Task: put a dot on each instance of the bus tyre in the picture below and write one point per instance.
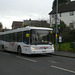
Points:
(19, 50)
(3, 48)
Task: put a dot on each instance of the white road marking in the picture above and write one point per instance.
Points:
(63, 69)
(26, 59)
(52, 61)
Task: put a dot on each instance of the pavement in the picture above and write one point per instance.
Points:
(64, 54)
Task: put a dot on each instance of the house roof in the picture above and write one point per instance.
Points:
(17, 24)
(32, 21)
(66, 7)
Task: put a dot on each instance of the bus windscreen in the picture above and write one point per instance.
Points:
(39, 36)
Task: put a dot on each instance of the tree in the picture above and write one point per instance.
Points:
(1, 26)
(72, 35)
(24, 25)
(68, 35)
(65, 34)
(62, 25)
(44, 23)
(59, 2)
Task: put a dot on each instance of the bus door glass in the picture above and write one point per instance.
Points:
(26, 37)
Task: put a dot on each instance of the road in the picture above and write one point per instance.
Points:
(12, 64)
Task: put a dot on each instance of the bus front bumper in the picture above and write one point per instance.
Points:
(41, 51)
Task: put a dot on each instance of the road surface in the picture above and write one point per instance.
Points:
(12, 64)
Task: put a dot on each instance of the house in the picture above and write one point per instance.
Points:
(36, 23)
(32, 22)
(17, 24)
(4, 30)
(66, 13)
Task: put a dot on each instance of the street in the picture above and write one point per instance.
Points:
(46, 64)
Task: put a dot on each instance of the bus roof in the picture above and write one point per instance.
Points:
(30, 27)
(24, 29)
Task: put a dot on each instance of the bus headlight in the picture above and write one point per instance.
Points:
(53, 47)
(32, 48)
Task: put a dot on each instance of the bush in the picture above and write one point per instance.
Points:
(66, 47)
(68, 35)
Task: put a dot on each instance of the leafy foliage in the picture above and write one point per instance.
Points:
(44, 23)
(1, 25)
(68, 35)
(24, 25)
(62, 25)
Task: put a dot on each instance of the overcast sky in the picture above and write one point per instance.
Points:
(19, 10)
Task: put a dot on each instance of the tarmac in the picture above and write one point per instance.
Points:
(64, 54)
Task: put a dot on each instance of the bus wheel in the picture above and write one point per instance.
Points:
(19, 50)
(3, 48)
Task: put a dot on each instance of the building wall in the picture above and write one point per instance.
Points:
(64, 17)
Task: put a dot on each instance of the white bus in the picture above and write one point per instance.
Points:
(28, 40)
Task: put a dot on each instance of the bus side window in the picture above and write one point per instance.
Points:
(10, 37)
(19, 37)
(7, 38)
(15, 37)
(1, 37)
(4, 37)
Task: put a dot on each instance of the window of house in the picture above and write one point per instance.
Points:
(71, 25)
(54, 16)
(71, 13)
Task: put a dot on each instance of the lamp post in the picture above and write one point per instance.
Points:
(56, 23)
